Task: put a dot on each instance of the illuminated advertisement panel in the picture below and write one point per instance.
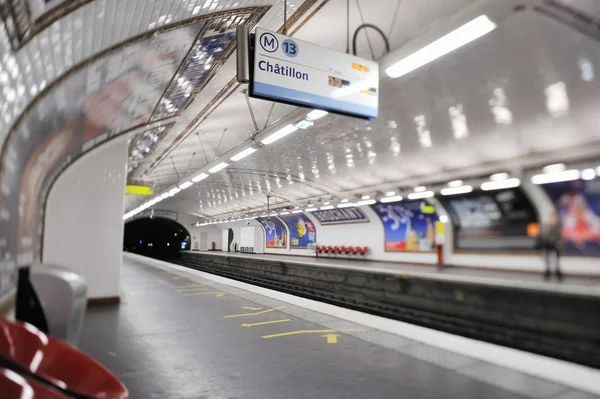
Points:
(276, 233)
(408, 227)
(302, 230)
(493, 221)
(578, 204)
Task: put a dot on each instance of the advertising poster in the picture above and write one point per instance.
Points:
(578, 205)
(123, 88)
(276, 233)
(110, 94)
(407, 227)
(492, 221)
(302, 230)
(340, 215)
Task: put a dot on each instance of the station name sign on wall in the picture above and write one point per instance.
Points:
(301, 73)
(343, 215)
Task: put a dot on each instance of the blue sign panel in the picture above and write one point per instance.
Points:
(407, 228)
(340, 215)
(275, 231)
(301, 73)
(302, 230)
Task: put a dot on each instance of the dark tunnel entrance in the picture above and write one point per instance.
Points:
(156, 237)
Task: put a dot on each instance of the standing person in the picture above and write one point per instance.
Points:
(553, 247)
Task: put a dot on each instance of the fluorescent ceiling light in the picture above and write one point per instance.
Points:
(420, 189)
(165, 195)
(419, 195)
(174, 191)
(326, 203)
(346, 205)
(346, 199)
(311, 209)
(390, 193)
(199, 177)
(588, 174)
(456, 190)
(297, 211)
(366, 202)
(442, 46)
(279, 134)
(499, 176)
(284, 213)
(455, 183)
(556, 167)
(326, 208)
(243, 154)
(264, 216)
(185, 185)
(544, 178)
(217, 168)
(316, 114)
(500, 184)
(365, 197)
(394, 198)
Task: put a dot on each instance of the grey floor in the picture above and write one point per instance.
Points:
(173, 337)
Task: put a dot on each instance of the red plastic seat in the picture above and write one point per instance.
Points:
(330, 249)
(351, 250)
(363, 250)
(14, 386)
(57, 362)
(343, 249)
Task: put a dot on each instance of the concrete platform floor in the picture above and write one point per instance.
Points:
(177, 335)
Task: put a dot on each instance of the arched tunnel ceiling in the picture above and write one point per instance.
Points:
(521, 91)
(338, 156)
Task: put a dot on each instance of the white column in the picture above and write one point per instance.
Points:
(84, 218)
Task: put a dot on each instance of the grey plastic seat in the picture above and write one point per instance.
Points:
(63, 297)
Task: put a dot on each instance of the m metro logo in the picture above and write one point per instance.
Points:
(269, 42)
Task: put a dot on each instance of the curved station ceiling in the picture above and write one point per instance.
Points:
(164, 72)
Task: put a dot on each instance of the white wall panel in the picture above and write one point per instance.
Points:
(84, 218)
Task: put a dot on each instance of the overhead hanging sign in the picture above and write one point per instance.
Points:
(301, 73)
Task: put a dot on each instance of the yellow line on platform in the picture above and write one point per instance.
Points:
(250, 308)
(189, 286)
(265, 322)
(285, 334)
(253, 314)
(194, 289)
(217, 293)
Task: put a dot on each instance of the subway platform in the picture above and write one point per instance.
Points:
(182, 333)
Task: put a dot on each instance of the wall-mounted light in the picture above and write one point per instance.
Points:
(456, 190)
(395, 198)
(588, 174)
(218, 167)
(366, 202)
(316, 114)
(466, 33)
(500, 184)
(279, 134)
(555, 177)
(243, 154)
(199, 177)
(420, 195)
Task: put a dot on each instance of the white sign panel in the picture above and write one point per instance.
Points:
(301, 73)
